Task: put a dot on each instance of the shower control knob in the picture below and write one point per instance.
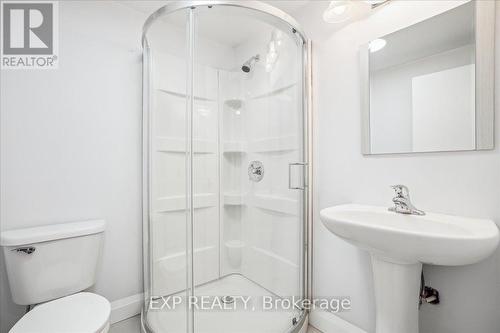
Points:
(256, 171)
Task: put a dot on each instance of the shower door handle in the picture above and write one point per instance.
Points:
(291, 168)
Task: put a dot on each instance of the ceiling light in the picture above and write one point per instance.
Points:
(377, 45)
(375, 3)
(338, 11)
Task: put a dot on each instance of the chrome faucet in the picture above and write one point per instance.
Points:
(402, 203)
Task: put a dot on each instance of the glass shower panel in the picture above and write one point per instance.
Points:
(169, 159)
(247, 169)
(225, 170)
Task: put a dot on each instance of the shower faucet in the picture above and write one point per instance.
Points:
(402, 203)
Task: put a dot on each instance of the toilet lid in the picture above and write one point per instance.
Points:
(78, 313)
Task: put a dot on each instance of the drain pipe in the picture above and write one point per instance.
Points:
(427, 294)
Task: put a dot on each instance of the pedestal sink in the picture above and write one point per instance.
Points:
(399, 244)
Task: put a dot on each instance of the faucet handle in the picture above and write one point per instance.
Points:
(402, 203)
(401, 190)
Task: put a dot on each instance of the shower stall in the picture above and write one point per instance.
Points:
(227, 151)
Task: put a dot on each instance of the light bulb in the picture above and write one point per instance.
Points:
(374, 2)
(338, 11)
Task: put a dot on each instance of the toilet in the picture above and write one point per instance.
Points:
(49, 268)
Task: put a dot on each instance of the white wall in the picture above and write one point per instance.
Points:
(462, 183)
(71, 142)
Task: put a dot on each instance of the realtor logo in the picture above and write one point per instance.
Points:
(29, 35)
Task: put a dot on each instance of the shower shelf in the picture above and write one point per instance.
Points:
(179, 257)
(236, 147)
(181, 95)
(275, 257)
(178, 202)
(173, 145)
(235, 244)
(234, 199)
(274, 92)
(267, 202)
(278, 144)
(274, 203)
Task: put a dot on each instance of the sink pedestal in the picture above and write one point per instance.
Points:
(397, 288)
(399, 243)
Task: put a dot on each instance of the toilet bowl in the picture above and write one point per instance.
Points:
(79, 313)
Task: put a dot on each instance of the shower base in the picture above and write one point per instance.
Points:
(254, 319)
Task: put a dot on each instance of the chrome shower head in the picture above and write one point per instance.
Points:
(248, 65)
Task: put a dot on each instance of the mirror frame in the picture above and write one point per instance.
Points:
(485, 83)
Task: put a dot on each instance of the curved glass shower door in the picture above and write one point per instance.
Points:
(167, 233)
(226, 216)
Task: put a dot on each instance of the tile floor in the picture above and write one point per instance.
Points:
(133, 325)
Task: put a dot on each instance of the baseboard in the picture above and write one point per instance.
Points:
(328, 322)
(125, 308)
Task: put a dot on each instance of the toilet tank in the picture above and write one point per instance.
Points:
(48, 262)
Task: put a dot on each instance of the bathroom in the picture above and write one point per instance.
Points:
(281, 127)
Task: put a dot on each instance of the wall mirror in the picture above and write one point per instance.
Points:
(430, 87)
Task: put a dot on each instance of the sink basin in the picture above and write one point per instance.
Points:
(431, 239)
(399, 244)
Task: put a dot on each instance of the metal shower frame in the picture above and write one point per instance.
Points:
(307, 135)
